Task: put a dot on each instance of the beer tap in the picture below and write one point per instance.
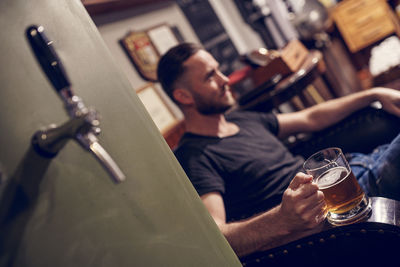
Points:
(83, 125)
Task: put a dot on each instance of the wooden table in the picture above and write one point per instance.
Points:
(273, 93)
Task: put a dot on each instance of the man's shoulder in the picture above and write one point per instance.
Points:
(243, 116)
(190, 144)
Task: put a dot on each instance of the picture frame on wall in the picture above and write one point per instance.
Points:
(142, 54)
(144, 48)
(158, 109)
(162, 37)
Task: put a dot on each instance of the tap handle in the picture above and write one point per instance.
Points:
(48, 59)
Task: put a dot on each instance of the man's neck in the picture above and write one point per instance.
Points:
(210, 125)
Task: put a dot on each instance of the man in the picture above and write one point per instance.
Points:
(249, 182)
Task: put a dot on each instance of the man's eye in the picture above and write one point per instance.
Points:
(210, 76)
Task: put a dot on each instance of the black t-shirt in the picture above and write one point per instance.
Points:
(250, 169)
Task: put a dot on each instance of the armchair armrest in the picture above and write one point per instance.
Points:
(374, 242)
(362, 131)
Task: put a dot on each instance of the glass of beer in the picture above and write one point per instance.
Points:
(345, 200)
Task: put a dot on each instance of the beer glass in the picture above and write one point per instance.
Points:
(345, 200)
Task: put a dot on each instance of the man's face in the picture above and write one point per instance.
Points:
(207, 85)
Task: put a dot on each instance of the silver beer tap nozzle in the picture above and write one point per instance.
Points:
(83, 126)
(86, 137)
(90, 142)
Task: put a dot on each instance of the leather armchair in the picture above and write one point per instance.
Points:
(371, 243)
(360, 132)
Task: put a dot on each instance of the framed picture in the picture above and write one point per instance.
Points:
(162, 37)
(142, 53)
(157, 108)
(145, 47)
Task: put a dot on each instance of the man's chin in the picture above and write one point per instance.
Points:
(214, 110)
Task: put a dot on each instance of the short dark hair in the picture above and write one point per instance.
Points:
(170, 67)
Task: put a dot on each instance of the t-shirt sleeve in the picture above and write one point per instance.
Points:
(200, 171)
(267, 119)
(270, 121)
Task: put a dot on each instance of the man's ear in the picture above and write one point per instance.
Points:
(182, 96)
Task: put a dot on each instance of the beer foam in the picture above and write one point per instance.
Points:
(331, 177)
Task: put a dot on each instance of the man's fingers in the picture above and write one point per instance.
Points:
(318, 197)
(315, 213)
(299, 179)
(314, 201)
(319, 212)
(394, 110)
(307, 190)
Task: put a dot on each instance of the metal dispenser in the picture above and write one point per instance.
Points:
(83, 125)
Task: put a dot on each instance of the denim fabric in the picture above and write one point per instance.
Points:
(378, 173)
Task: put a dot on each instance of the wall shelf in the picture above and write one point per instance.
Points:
(95, 7)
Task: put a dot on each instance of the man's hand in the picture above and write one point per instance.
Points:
(303, 205)
(301, 210)
(389, 98)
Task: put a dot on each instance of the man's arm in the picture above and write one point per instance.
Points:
(299, 214)
(328, 113)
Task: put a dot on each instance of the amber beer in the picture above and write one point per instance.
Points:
(341, 189)
(346, 201)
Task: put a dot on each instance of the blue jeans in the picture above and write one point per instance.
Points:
(378, 173)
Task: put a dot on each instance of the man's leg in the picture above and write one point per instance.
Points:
(379, 172)
(387, 171)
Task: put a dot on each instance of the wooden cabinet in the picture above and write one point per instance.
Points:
(363, 22)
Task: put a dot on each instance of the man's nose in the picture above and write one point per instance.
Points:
(222, 77)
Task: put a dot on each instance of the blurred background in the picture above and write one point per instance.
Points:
(356, 40)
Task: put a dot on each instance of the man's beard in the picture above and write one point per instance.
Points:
(207, 107)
